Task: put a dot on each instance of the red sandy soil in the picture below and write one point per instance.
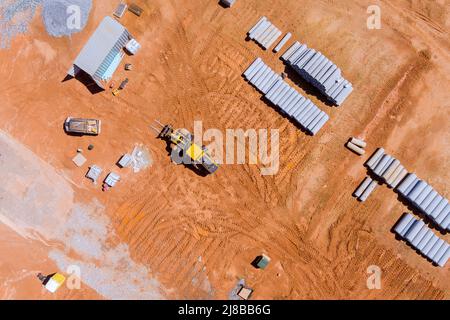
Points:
(198, 235)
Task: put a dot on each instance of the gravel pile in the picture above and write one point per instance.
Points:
(15, 16)
(60, 20)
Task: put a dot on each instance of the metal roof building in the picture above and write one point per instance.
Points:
(103, 52)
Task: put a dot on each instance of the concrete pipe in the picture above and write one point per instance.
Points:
(425, 240)
(355, 148)
(417, 190)
(402, 223)
(428, 189)
(430, 244)
(360, 143)
(363, 186)
(403, 173)
(374, 158)
(390, 170)
(368, 191)
(406, 183)
(444, 258)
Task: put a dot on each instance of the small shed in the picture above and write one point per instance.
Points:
(262, 261)
(79, 160)
(112, 179)
(94, 173)
(125, 161)
(133, 46)
(245, 293)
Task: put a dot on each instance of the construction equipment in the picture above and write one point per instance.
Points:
(184, 149)
(123, 84)
(52, 282)
(82, 126)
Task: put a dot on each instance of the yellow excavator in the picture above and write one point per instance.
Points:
(184, 150)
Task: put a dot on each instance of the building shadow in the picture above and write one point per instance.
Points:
(86, 80)
(255, 262)
(223, 5)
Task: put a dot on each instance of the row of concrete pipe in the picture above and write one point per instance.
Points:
(418, 192)
(423, 239)
(264, 33)
(423, 197)
(288, 100)
(386, 168)
(427, 200)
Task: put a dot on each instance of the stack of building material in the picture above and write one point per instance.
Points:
(422, 196)
(318, 70)
(264, 33)
(125, 161)
(79, 160)
(287, 99)
(387, 168)
(365, 189)
(416, 233)
(112, 179)
(94, 173)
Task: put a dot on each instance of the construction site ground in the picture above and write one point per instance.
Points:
(168, 233)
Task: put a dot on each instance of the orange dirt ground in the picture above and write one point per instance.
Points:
(196, 236)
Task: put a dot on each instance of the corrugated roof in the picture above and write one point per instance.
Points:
(99, 45)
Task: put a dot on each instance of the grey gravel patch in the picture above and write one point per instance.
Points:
(118, 277)
(34, 199)
(55, 15)
(86, 230)
(15, 17)
(105, 267)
